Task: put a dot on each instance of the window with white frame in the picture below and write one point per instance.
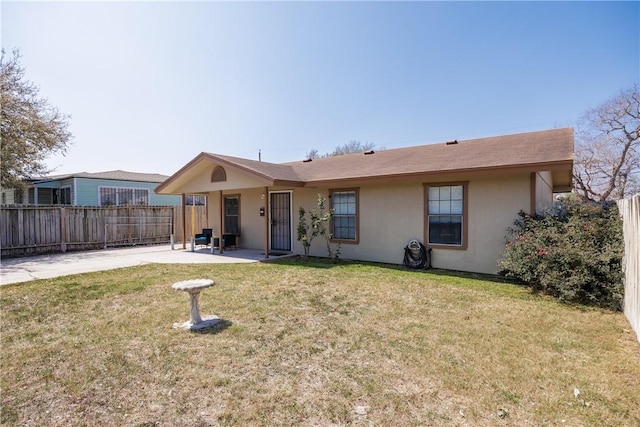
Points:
(445, 214)
(192, 199)
(344, 222)
(119, 196)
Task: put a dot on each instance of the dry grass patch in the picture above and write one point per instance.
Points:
(309, 344)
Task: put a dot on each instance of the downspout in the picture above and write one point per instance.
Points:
(184, 221)
(266, 222)
(532, 207)
(221, 241)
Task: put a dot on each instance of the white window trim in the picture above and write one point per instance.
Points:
(100, 188)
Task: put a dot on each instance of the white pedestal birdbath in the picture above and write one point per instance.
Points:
(194, 287)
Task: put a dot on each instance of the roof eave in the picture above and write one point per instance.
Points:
(564, 165)
(287, 183)
(167, 182)
(267, 180)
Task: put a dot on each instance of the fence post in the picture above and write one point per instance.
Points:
(63, 230)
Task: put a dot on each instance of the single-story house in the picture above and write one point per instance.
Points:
(112, 188)
(457, 197)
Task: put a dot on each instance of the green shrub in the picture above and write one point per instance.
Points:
(572, 251)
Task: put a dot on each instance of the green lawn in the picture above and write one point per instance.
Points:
(312, 344)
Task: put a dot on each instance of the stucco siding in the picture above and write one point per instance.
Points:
(201, 180)
(544, 190)
(391, 215)
(494, 204)
(251, 223)
(213, 212)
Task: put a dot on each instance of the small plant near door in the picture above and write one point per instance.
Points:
(315, 225)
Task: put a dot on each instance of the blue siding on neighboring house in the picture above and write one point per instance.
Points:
(85, 191)
(88, 191)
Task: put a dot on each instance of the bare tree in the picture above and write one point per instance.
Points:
(353, 146)
(313, 154)
(30, 128)
(607, 154)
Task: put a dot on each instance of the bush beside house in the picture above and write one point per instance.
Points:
(572, 251)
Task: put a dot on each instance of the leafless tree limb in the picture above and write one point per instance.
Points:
(607, 155)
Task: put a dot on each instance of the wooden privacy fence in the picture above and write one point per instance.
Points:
(32, 230)
(630, 211)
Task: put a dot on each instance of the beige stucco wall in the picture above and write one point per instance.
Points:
(251, 223)
(213, 212)
(494, 204)
(391, 215)
(199, 180)
(544, 190)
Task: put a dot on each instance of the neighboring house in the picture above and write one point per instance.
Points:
(457, 197)
(113, 188)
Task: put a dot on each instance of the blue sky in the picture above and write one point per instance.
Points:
(150, 85)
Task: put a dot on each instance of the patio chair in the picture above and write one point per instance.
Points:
(204, 238)
(229, 240)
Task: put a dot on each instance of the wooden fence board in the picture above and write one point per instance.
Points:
(31, 230)
(630, 211)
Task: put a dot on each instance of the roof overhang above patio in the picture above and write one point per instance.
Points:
(208, 172)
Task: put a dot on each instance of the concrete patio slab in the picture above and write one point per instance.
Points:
(14, 270)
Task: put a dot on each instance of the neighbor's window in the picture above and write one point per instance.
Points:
(344, 222)
(65, 196)
(18, 197)
(232, 214)
(445, 214)
(191, 200)
(115, 196)
(61, 196)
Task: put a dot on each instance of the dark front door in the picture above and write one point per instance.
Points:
(280, 221)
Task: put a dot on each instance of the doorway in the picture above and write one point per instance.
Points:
(280, 215)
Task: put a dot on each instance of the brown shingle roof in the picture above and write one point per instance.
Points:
(533, 148)
(282, 172)
(543, 150)
(119, 175)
